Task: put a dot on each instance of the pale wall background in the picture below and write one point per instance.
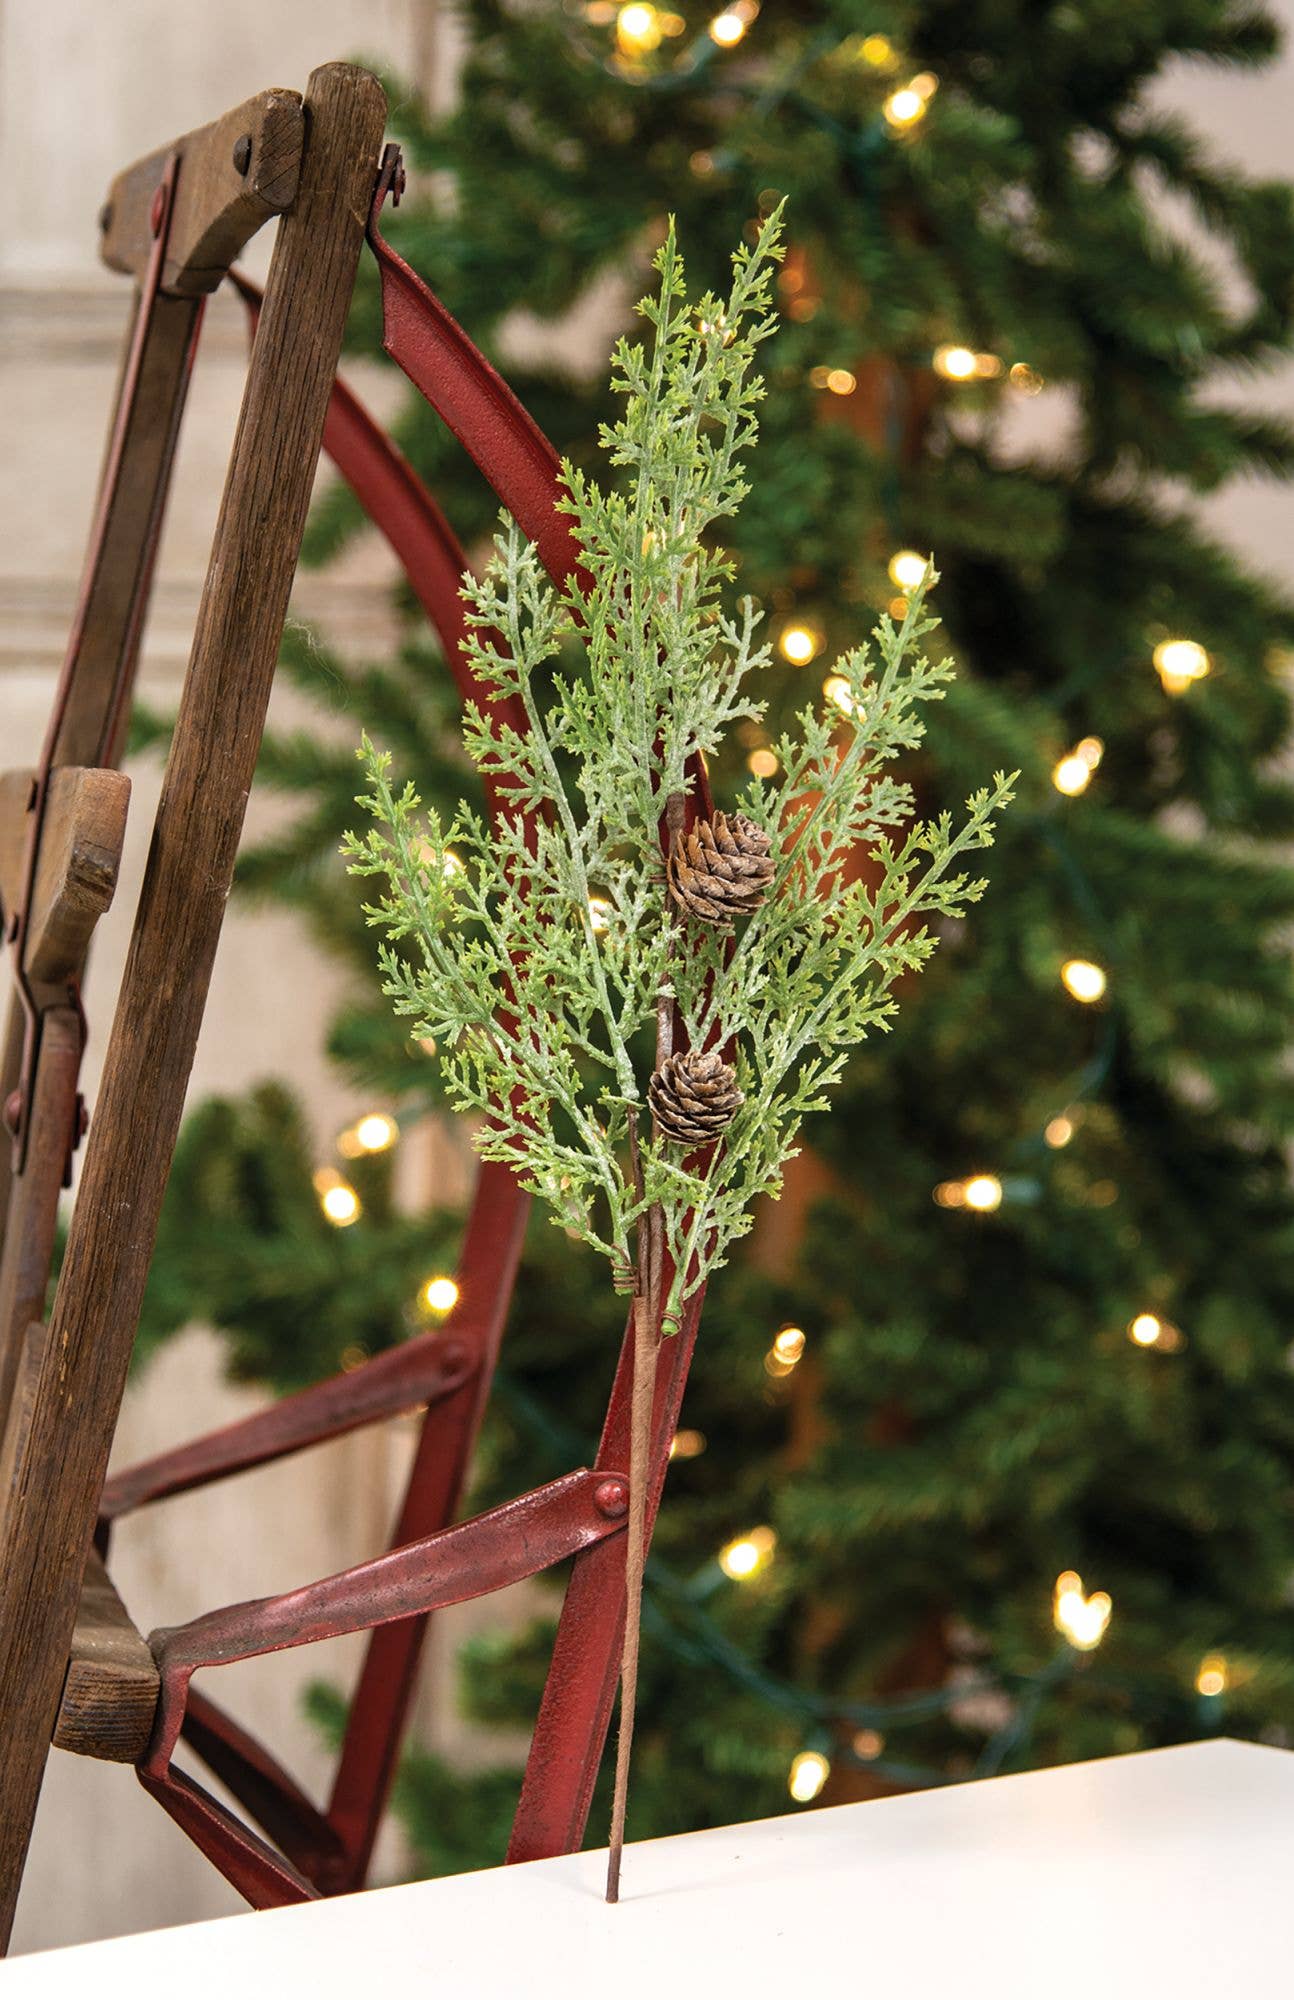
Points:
(86, 85)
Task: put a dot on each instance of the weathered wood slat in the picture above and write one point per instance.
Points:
(29, 1352)
(80, 854)
(47, 1529)
(117, 591)
(234, 175)
(32, 1220)
(110, 1695)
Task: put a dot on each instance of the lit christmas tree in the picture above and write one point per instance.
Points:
(989, 1427)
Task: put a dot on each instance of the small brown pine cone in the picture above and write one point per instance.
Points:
(694, 1096)
(720, 869)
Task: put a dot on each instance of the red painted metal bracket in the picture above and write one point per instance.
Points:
(580, 1690)
(474, 1559)
(453, 375)
(429, 1369)
(509, 1543)
(424, 1370)
(261, 1785)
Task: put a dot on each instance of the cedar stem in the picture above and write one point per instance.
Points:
(648, 1333)
(646, 1348)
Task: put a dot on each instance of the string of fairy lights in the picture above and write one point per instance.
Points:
(640, 35)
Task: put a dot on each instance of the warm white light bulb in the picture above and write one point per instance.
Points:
(638, 30)
(1214, 1675)
(748, 1554)
(799, 644)
(904, 108)
(878, 52)
(788, 1345)
(908, 569)
(1085, 981)
(340, 1204)
(1071, 776)
(375, 1132)
(1081, 1620)
(808, 1774)
(440, 1294)
(955, 364)
(982, 1192)
(1178, 662)
(727, 28)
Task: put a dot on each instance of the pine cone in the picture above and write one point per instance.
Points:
(694, 1096)
(720, 869)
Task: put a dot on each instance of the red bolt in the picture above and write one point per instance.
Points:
(611, 1497)
(453, 1355)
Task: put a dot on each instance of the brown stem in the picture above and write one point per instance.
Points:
(646, 1349)
(647, 1339)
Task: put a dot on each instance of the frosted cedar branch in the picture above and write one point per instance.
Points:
(641, 1039)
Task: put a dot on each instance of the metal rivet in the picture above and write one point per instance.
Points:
(453, 1354)
(243, 153)
(611, 1498)
(13, 1110)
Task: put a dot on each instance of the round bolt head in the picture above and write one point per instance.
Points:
(13, 1110)
(611, 1497)
(243, 153)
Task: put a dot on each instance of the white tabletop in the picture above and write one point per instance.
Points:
(1167, 1873)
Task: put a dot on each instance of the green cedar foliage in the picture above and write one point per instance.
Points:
(558, 905)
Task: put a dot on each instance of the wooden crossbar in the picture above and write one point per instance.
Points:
(109, 1697)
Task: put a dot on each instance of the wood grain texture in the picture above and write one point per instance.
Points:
(116, 591)
(30, 1352)
(76, 875)
(110, 1695)
(218, 205)
(32, 1220)
(47, 1530)
(82, 833)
